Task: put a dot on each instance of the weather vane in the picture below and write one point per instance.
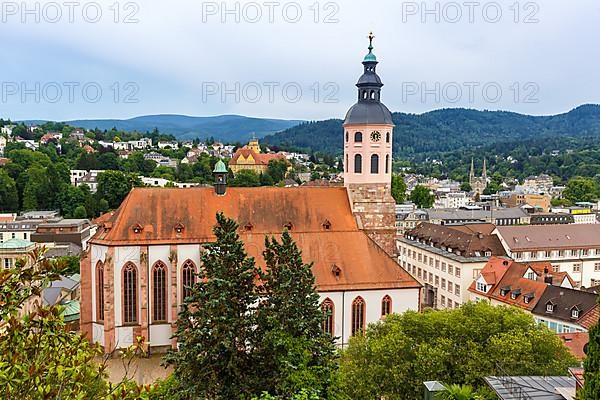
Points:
(371, 37)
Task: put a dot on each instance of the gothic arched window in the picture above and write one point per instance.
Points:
(346, 162)
(374, 164)
(130, 293)
(358, 315)
(328, 310)
(188, 278)
(358, 137)
(159, 292)
(100, 291)
(386, 306)
(358, 164)
(387, 164)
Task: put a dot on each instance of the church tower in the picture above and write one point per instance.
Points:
(368, 134)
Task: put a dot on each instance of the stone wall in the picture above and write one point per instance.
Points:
(375, 211)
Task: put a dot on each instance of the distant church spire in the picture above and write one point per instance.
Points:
(484, 175)
(472, 174)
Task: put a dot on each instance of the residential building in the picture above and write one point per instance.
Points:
(251, 158)
(14, 249)
(64, 237)
(475, 214)
(539, 184)
(446, 259)
(574, 249)
(22, 227)
(452, 200)
(408, 217)
(551, 219)
(581, 215)
(576, 342)
(3, 143)
(147, 252)
(538, 201)
(548, 296)
(168, 145)
(7, 130)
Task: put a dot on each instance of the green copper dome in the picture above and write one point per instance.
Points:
(370, 57)
(220, 168)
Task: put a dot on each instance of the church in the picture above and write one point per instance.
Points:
(145, 254)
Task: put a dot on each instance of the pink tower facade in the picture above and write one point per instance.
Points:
(368, 138)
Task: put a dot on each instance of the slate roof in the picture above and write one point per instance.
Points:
(564, 301)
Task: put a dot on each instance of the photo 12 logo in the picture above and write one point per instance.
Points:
(69, 92)
(271, 92)
(72, 11)
(469, 92)
(470, 11)
(272, 11)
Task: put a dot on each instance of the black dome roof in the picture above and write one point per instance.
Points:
(369, 112)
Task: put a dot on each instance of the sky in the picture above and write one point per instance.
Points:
(293, 60)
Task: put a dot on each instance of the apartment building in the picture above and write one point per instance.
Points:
(574, 249)
(446, 259)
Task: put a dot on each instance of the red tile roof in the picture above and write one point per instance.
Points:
(505, 273)
(576, 343)
(260, 212)
(590, 318)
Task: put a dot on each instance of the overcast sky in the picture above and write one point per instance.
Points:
(204, 58)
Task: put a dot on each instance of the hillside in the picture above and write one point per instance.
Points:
(229, 128)
(449, 130)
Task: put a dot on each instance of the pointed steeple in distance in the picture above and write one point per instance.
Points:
(484, 175)
(472, 173)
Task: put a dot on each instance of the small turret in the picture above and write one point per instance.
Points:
(220, 173)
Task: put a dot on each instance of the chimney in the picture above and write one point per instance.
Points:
(547, 276)
(220, 173)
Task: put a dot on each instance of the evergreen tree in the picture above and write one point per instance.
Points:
(297, 353)
(9, 198)
(217, 326)
(591, 388)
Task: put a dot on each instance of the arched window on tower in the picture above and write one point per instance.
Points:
(358, 316)
(130, 293)
(386, 306)
(100, 291)
(365, 95)
(347, 134)
(358, 137)
(159, 292)
(387, 137)
(358, 164)
(372, 95)
(374, 164)
(387, 164)
(328, 310)
(188, 278)
(346, 162)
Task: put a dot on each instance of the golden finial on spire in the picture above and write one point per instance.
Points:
(371, 37)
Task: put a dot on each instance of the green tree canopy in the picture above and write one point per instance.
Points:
(591, 388)
(581, 189)
(398, 189)
(458, 346)
(9, 197)
(422, 197)
(113, 186)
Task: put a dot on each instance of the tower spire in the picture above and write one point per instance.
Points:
(484, 175)
(371, 37)
(472, 173)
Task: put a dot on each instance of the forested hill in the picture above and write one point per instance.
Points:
(449, 130)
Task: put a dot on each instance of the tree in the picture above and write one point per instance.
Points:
(591, 388)
(581, 189)
(458, 392)
(217, 324)
(39, 358)
(37, 188)
(80, 212)
(466, 187)
(398, 189)
(245, 178)
(9, 198)
(459, 346)
(277, 169)
(295, 352)
(422, 197)
(113, 186)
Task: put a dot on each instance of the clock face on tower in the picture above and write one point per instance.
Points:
(375, 136)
